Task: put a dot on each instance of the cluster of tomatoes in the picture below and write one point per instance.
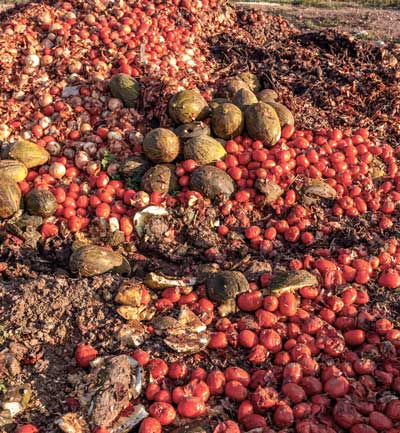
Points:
(345, 160)
(309, 360)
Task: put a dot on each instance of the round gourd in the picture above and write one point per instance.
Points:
(126, 88)
(284, 114)
(161, 145)
(14, 169)
(10, 197)
(204, 150)
(187, 106)
(30, 154)
(40, 202)
(91, 260)
(243, 98)
(227, 121)
(262, 123)
(267, 95)
(212, 182)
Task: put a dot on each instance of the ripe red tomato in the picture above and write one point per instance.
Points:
(250, 301)
(163, 412)
(287, 304)
(141, 357)
(283, 416)
(354, 337)
(216, 382)
(218, 340)
(150, 425)
(294, 392)
(191, 407)
(158, 368)
(27, 428)
(227, 427)
(271, 340)
(247, 338)
(177, 370)
(84, 354)
(235, 390)
(49, 230)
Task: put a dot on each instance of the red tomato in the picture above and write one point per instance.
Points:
(227, 427)
(283, 416)
(84, 354)
(380, 421)
(141, 357)
(27, 428)
(337, 387)
(287, 304)
(150, 425)
(191, 407)
(250, 301)
(216, 382)
(163, 412)
(177, 370)
(252, 421)
(49, 230)
(235, 390)
(354, 337)
(239, 374)
(294, 392)
(158, 368)
(271, 340)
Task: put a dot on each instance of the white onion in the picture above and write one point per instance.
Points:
(81, 158)
(45, 122)
(26, 135)
(57, 170)
(45, 99)
(5, 132)
(90, 147)
(113, 224)
(93, 168)
(53, 148)
(32, 61)
(114, 135)
(114, 104)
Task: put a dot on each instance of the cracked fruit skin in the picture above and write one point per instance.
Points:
(160, 178)
(187, 106)
(224, 285)
(10, 197)
(161, 145)
(126, 88)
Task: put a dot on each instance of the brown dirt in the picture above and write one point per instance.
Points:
(365, 22)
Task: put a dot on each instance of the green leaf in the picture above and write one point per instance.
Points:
(107, 159)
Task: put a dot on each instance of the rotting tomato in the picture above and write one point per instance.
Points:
(150, 425)
(191, 407)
